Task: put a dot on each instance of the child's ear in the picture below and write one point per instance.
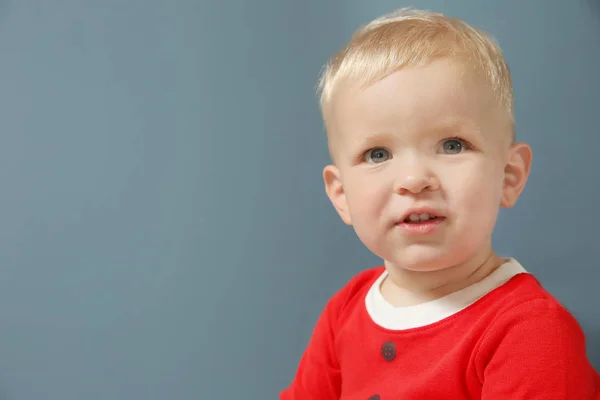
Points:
(516, 173)
(335, 192)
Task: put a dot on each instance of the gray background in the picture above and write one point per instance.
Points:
(164, 233)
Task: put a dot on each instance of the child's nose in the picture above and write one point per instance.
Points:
(416, 178)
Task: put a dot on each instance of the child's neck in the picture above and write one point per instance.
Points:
(402, 288)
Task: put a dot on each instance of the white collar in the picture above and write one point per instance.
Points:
(396, 318)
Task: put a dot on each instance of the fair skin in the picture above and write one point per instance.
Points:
(433, 141)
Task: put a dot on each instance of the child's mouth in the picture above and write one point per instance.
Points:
(420, 224)
(415, 218)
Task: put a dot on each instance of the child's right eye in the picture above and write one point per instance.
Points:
(377, 155)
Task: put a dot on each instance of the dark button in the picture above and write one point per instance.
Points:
(388, 351)
(375, 397)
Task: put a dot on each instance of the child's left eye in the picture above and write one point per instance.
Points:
(377, 155)
(454, 146)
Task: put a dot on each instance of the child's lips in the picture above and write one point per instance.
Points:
(420, 213)
(421, 227)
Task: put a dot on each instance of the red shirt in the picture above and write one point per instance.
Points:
(515, 342)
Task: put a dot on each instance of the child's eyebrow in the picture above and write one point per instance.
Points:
(450, 127)
(457, 126)
(374, 138)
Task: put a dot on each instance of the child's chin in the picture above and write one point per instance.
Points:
(422, 258)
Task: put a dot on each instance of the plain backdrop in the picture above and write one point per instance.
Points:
(164, 233)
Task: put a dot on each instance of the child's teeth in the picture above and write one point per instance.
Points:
(414, 217)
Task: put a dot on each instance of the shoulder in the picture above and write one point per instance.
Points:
(360, 283)
(353, 291)
(524, 298)
(531, 318)
(534, 347)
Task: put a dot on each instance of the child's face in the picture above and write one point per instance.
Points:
(424, 140)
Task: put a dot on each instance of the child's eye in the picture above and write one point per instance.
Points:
(454, 146)
(377, 155)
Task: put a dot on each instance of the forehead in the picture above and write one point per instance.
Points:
(411, 100)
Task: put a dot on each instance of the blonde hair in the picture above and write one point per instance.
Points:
(409, 37)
